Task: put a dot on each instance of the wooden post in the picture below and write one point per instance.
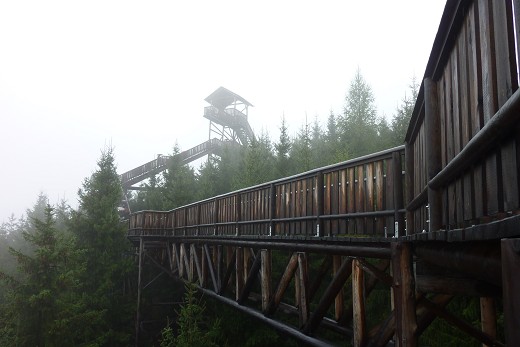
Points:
(303, 299)
(239, 273)
(139, 286)
(398, 192)
(338, 300)
(511, 288)
(272, 209)
(358, 305)
(488, 317)
(433, 149)
(265, 273)
(409, 155)
(404, 294)
(319, 201)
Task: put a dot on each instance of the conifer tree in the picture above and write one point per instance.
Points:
(102, 238)
(358, 124)
(403, 114)
(282, 150)
(179, 186)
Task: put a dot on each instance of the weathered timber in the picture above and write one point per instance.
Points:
(283, 284)
(303, 298)
(139, 285)
(358, 300)
(511, 287)
(433, 147)
(252, 276)
(338, 300)
(265, 277)
(479, 260)
(488, 317)
(462, 325)
(404, 294)
(335, 286)
(211, 268)
(239, 273)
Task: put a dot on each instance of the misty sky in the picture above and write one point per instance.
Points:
(76, 76)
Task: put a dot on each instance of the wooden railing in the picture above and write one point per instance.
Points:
(360, 197)
(162, 162)
(461, 163)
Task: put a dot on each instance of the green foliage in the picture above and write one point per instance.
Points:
(282, 150)
(103, 245)
(194, 328)
(179, 183)
(358, 123)
(403, 114)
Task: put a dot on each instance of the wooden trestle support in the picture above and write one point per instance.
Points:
(301, 300)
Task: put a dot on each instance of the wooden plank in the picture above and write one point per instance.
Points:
(342, 201)
(476, 112)
(398, 193)
(506, 84)
(489, 98)
(358, 301)
(351, 200)
(409, 176)
(327, 182)
(319, 203)
(265, 278)
(379, 197)
(369, 222)
(510, 250)
(457, 133)
(360, 199)
(239, 272)
(334, 201)
(432, 127)
(465, 118)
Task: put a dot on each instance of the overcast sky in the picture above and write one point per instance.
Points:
(76, 76)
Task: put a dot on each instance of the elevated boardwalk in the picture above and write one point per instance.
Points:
(432, 220)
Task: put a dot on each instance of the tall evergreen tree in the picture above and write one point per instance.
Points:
(404, 113)
(282, 150)
(102, 238)
(43, 303)
(358, 124)
(258, 162)
(179, 182)
(301, 149)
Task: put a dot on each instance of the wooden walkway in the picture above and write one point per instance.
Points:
(431, 220)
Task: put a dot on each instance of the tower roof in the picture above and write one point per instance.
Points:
(223, 97)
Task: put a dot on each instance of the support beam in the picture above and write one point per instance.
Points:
(139, 285)
(488, 317)
(335, 286)
(404, 294)
(303, 299)
(266, 278)
(358, 304)
(511, 289)
(284, 283)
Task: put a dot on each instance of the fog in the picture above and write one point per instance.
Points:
(78, 76)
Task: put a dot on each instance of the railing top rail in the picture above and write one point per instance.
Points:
(351, 162)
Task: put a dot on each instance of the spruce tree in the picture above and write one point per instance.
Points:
(403, 114)
(358, 124)
(282, 150)
(179, 182)
(102, 238)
